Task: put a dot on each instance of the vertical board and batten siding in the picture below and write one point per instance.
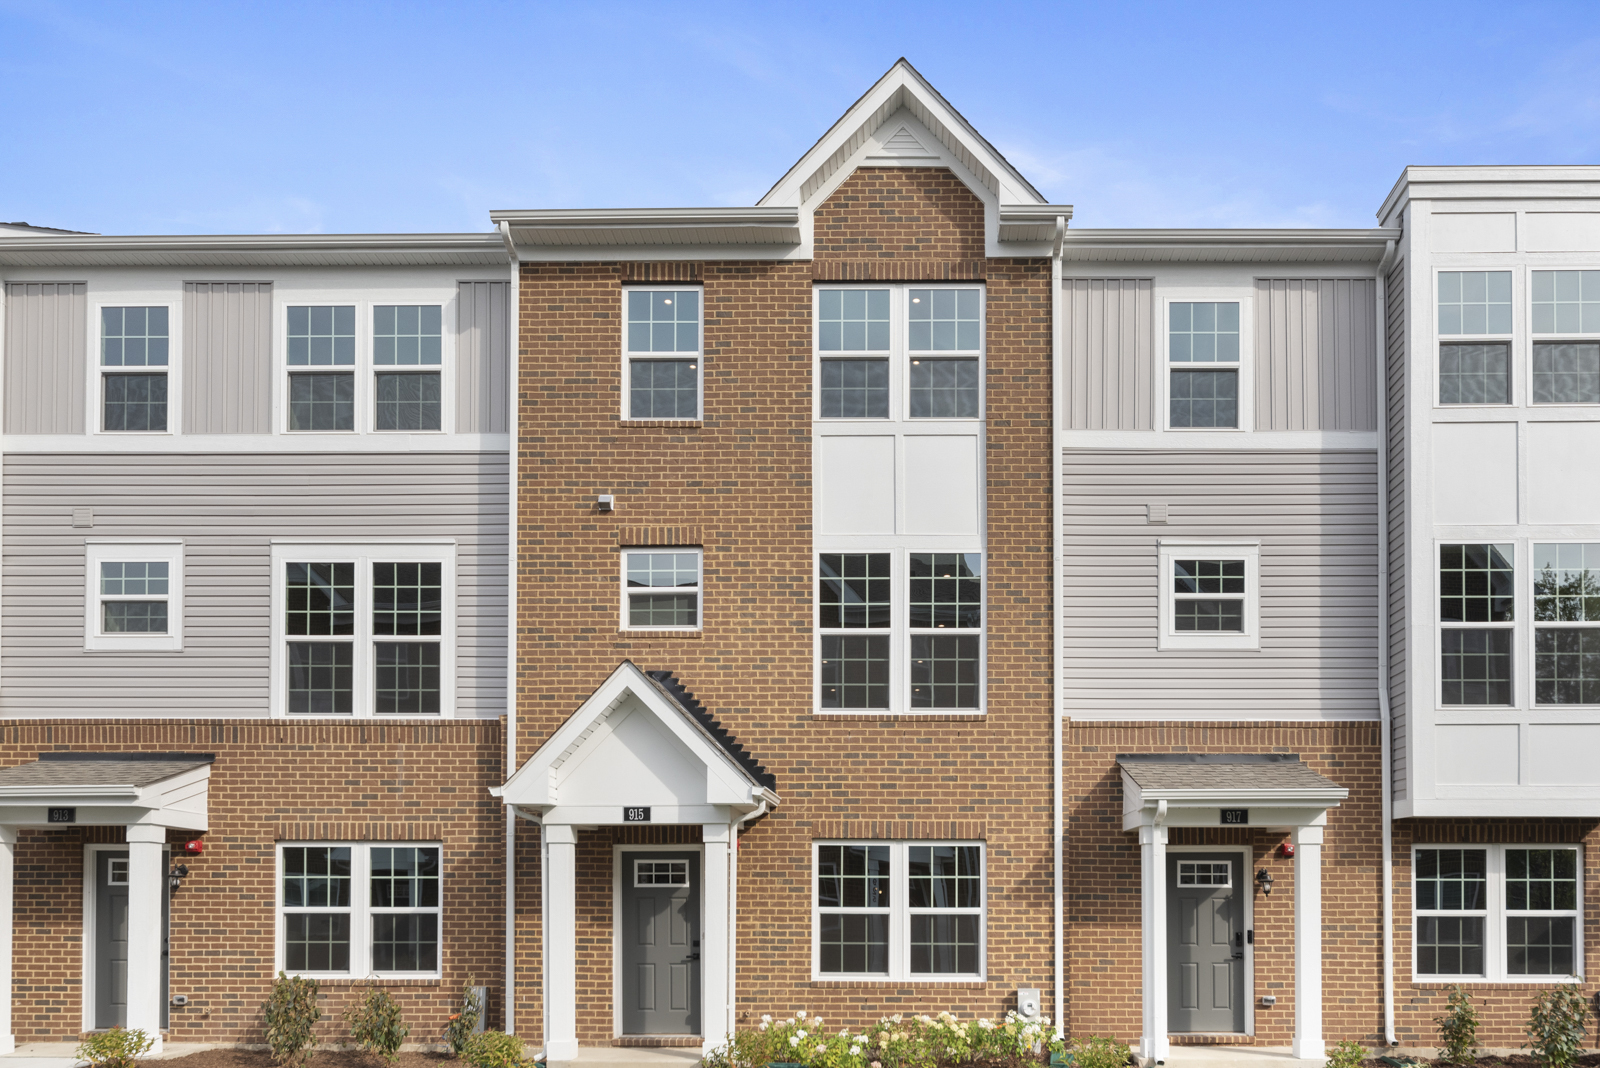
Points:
(1315, 515)
(227, 357)
(1109, 332)
(1315, 353)
(482, 357)
(1395, 428)
(227, 509)
(46, 356)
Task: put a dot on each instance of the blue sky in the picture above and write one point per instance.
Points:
(222, 117)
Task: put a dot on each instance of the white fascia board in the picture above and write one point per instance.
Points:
(1279, 798)
(1491, 182)
(1518, 808)
(259, 249)
(67, 796)
(1183, 244)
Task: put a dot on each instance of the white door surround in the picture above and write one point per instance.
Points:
(1278, 792)
(639, 750)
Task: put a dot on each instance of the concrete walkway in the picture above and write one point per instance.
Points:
(629, 1057)
(59, 1054)
(1237, 1057)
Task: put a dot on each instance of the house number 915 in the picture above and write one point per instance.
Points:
(636, 815)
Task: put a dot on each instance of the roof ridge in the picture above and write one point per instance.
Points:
(687, 701)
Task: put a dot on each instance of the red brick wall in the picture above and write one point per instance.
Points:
(900, 222)
(369, 781)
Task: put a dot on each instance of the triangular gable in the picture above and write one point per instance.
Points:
(630, 744)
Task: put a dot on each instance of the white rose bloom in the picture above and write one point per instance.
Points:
(801, 1014)
(793, 1041)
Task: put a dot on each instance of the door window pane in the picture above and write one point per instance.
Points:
(1566, 302)
(1475, 374)
(1566, 372)
(1474, 302)
(853, 320)
(854, 389)
(1205, 398)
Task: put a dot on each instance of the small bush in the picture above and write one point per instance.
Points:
(494, 1049)
(1458, 1029)
(292, 1014)
(465, 1020)
(1346, 1054)
(1557, 1026)
(375, 1023)
(1096, 1052)
(116, 1048)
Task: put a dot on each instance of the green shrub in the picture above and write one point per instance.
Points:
(116, 1048)
(1458, 1029)
(465, 1020)
(291, 1014)
(375, 1023)
(1096, 1052)
(495, 1049)
(1346, 1054)
(1557, 1025)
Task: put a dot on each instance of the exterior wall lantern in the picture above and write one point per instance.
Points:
(1264, 881)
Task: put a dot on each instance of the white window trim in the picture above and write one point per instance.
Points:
(94, 418)
(360, 910)
(699, 589)
(1516, 341)
(1557, 338)
(628, 355)
(364, 370)
(899, 354)
(899, 631)
(900, 914)
(1521, 609)
(1171, 549)
(1495, 916)
(112, 550)
(1245, 298)
(364, 555)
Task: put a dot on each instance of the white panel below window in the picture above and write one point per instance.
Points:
(1474, 232)
(942, 484)
(1563, 754)
(1563, 478)
(857, 484)
(1561, 231)
(1475, 473)
(1476, 754)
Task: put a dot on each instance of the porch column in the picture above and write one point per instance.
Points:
(8, 850)
(714, 923)
(561, 944)
(147, 883)
(1308, 943)
(1153, 1044)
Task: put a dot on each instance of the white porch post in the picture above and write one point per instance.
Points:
(147, 883)
(561, 944)
(714, 923)
(1153, 1044)
(1308, 943)
(8, 894)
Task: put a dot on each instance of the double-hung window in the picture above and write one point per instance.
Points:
(899, 910)
(1475, 313)
(1477, 607)
(133, 595)
(661, 589)
(1209, 596)
(407, 350)
(329, 382)
(359, 909)
(1203, 364)
(1498, 912)
(134, 352)
(321, 346)
(1566, 615)
(661, 345)
(364, 631)
(899, 352)
(1566, 329)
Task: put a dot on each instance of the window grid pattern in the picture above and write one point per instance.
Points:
(319, 601)
(664, 389)
(1205, 332)
(661, 873)
(1475, 374)
(322, 336)
(410, 401)
(1541, 911)
(406, 679)
(1566, 372)
(1477, 584)
(322, 402)
(407, 334)
(1497, 911)
(1566, 302)
(393, 890)
(316, 877)
(853, 320)
(407, 599)
(1474, 302)
(944, 320)
(944, 389)
(1448, 883)
(1205, 399)
(663, 589)
(134, 337)
(854, 593)
(935, 889)
(1566, 589)
(1205, 873)
(146, 580)
(945, 592)
(134, 402)
(855, 878)
(1223, 610)
(663, 321)
(854, 389)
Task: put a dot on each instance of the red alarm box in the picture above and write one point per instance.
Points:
(1287, 849)
(196, 847)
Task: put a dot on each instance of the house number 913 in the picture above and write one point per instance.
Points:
(636, 815)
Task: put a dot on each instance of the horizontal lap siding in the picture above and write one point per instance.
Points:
(1395, 296)
(227, 509)
(1315, 516)
(1108, 331)
(1315, 344)
(227, 357)
(46, 351)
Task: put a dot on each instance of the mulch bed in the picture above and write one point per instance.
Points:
(323, 1058)
(1516, 1060)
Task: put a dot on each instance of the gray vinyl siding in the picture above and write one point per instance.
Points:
(482, 357)
(46, 350)
(1109, 330)
(1395, 375)
(227, 509)
(227, 357)
(1315, 344)
(1314, 514)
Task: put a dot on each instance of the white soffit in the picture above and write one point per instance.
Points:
(1227, 246)
(310, 250)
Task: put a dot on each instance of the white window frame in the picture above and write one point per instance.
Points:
(1513, 340)
(899, 630)
(628, 355)
(1245, 368)
(94, 418)
(1173, 549)
(1521, 610)
(360, 909)
(1495, 916)
(98, 551)
(363, 674)
(699, 588)
(365, 420)
(1531, 644)
(900, 913)
(899, 354)
(1555, 337)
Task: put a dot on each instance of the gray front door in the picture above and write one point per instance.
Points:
(1205, 942)
(111, 941)
(660, 943)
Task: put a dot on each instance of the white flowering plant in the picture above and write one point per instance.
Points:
(898, 1041)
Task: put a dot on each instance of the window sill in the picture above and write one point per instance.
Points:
(679, 424)
(348, 980)
(1494, 984)
(694, 634)
(875, 983)
(937, 717)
